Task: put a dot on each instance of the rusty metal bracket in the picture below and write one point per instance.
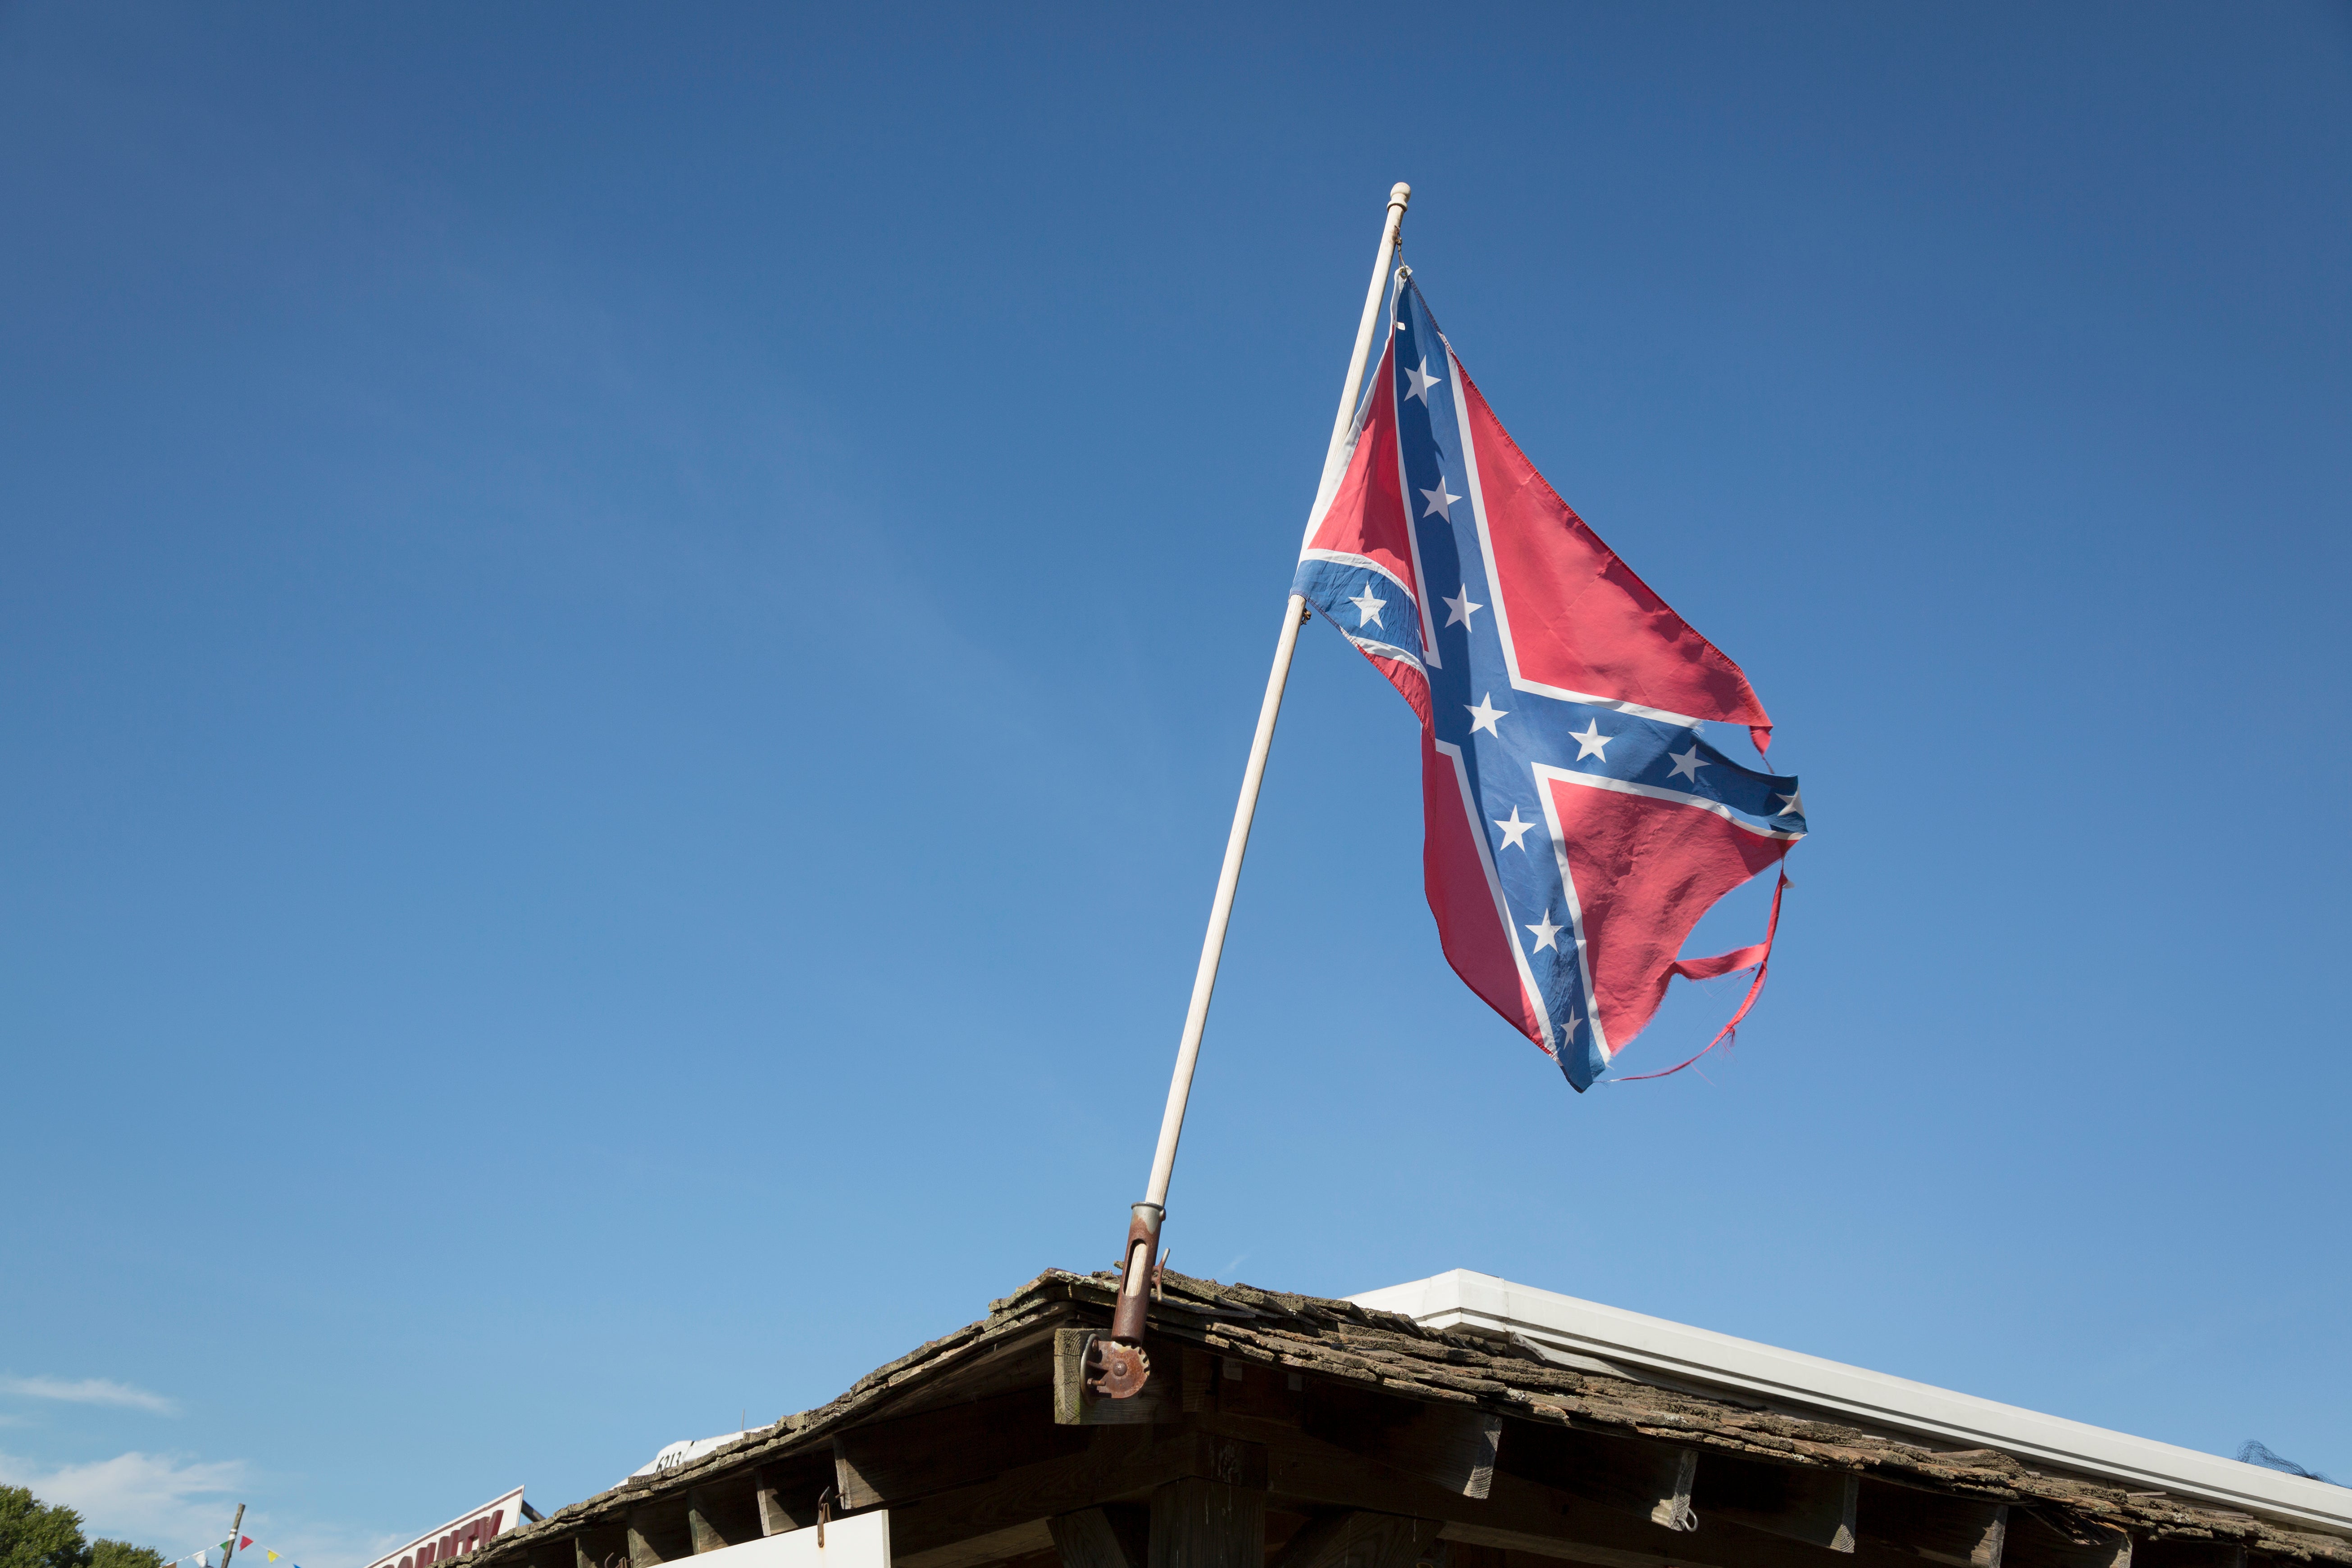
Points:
(1116, 1366)
(1114, 1370)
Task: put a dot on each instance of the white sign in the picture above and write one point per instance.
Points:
(861, 1541)
(462, 1534)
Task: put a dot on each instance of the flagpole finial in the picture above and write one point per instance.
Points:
(1400, 195)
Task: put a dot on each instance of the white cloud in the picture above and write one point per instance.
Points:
(147, 1499)
(90, 1391)
(178, 1505)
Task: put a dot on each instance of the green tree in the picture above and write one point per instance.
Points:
(34, 1535)
(121, 1554)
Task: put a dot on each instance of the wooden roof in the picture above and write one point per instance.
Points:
(987, 1450)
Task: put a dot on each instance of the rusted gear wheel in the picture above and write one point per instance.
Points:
(1116, 1371)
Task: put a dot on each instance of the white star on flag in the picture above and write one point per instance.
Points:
(1421, 382)
(1483, 716)
(1368, 609)
(1514, 830)
(1574, 1020)
(1438, 498)
(1796, 806)
(1590, 743)
(1546, 934)
(1686, 763)
(1459, 609)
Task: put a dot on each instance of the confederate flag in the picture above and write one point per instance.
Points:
(1577, 824)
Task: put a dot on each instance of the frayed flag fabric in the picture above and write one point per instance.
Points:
(1576, 823)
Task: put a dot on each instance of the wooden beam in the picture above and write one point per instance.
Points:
(1553, 1546)
(2036, 1541)
(1814, 1506)
(893, 1461)
(1076, 1405)
(1451, 1446)
(702, 1534)
(1200, 1386)
(1112, 1536)
(1732, 1546)
(1120, 1462)
(775, 1517)
(786, 1493)
(1653, 1481)
(1517, 1513)
(976, 1552)
(1022, 1361)
(2178, 1553)
(1352, 1538)
(599, 1546)
(1255, 1389)
(643, 1553)
(1957, 1531)
(1200, 1523)
(1628, 1474)
(1070, 1376)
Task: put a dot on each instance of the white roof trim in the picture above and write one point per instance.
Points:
(1655, 1349)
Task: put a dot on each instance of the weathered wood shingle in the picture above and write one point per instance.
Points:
(1344, 1342)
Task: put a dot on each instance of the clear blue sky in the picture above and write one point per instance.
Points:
(625, 636)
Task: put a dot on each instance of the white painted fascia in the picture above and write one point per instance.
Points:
(1655, 1350)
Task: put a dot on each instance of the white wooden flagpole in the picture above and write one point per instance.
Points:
(1143, 1232)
